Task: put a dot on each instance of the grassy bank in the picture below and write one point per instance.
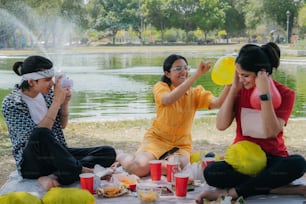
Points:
(126, 135)
(125, 49)
(132, 49)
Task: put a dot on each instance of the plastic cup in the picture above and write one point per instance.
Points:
(87, 182)
(181, 184)
(172, 168)
(155, 170)
(207, 161)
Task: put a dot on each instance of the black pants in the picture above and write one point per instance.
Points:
(280, 171)
(44, 155)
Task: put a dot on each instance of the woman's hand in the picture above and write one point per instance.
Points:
(203, 68)
(262, 82)
(68, 95)
(60, 93)
(236, 85)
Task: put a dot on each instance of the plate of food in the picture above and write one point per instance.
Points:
(111, 191)
(129, 181)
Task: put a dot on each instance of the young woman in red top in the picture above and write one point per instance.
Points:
(254, 66)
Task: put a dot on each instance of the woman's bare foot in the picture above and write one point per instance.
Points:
(87, 170)
(210, 195)
(290, 190)
(215, 194)
(48, 182)
(115, 165)
(125, 159)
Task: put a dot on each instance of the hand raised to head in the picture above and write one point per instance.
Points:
(262, 82)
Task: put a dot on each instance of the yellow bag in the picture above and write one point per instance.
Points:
(68, 196)
(246, 157)
(19, 198)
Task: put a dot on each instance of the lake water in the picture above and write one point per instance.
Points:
(118, 86)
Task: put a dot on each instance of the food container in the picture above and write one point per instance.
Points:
(129, 181)
(148, 192)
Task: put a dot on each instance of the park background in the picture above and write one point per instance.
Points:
(62, 23)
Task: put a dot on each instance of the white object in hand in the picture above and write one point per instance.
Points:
(65, 81)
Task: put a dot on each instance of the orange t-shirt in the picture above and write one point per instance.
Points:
(173, 123)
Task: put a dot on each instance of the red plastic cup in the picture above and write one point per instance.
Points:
(155, 170)
(207, 161)
(181, 184)
(172, 168)
(87, 182)
(132, 187)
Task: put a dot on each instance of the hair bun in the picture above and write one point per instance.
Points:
(17, 68)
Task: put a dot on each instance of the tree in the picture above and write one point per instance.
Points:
(302, 20)
(277, 11)
(156, 13)
(211, 15)
(55, 21)
(253, 12)
(46, 14)
(183, 15)
(73, 11)
(135, 17)
(14, 21)
(115, 15)
(234, 19)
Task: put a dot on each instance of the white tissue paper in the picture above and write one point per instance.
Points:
(100, 171)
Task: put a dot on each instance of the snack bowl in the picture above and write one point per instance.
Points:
(148, 192)
(111, 190)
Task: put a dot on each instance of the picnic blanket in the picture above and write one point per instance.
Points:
(17, 183)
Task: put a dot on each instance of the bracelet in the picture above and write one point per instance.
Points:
(48, 117)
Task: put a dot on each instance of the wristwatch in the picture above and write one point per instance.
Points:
(265, 97)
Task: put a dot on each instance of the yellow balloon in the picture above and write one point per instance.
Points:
(195, 157)
(224, 70)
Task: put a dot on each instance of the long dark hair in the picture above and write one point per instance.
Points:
(168, 64)
(29, 65)
(253, 58)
